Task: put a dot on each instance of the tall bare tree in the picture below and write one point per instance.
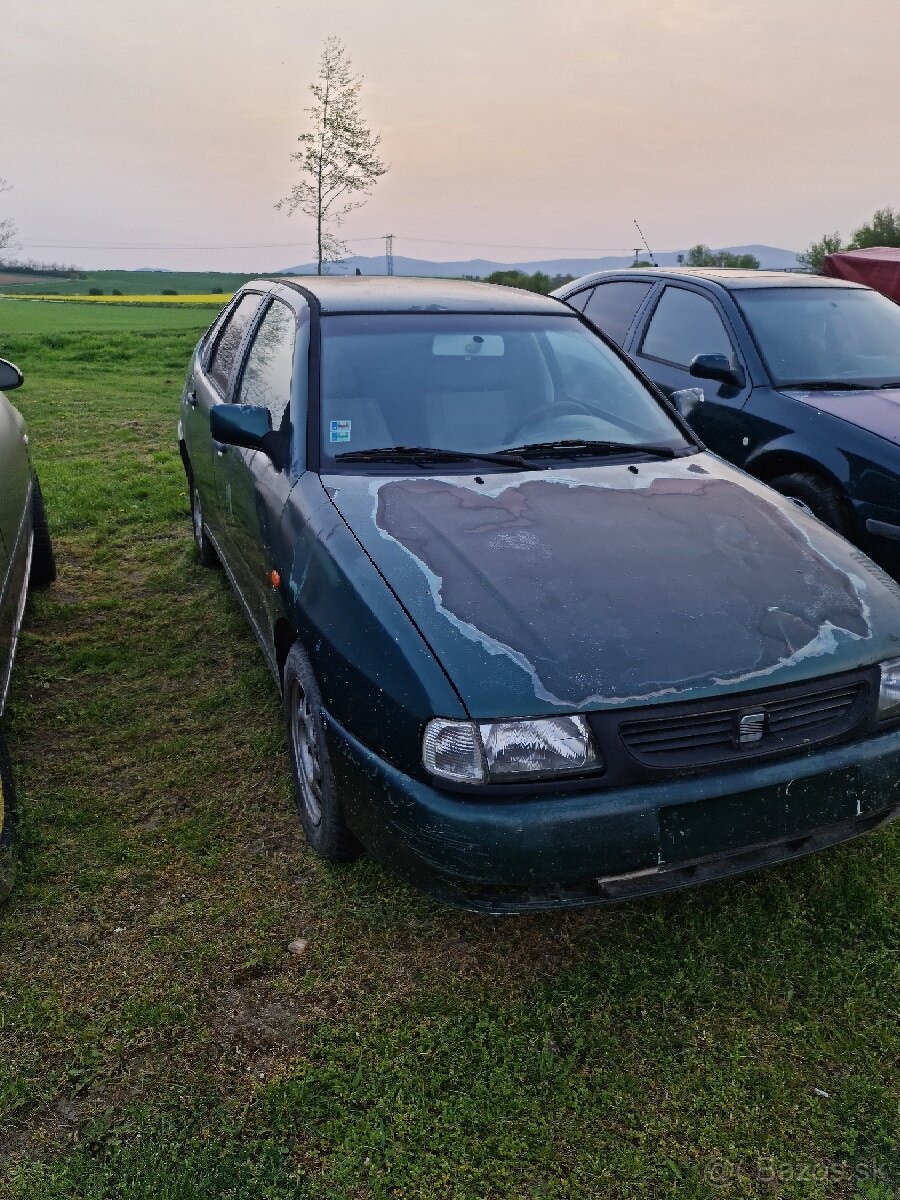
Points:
(338, 157)
(7, 224)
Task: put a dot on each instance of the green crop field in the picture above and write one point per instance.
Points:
(129, 283)
(159, 1042)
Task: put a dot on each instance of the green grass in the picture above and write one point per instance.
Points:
(131, 283)
(157, 1041)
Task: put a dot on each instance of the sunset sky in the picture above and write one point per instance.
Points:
(158, 133)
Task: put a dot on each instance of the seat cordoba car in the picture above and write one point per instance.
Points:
(794, 378)
(535, 645)
(26, 559)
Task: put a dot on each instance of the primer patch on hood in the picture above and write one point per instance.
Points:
(609, 594)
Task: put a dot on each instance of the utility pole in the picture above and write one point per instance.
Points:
(389, 252)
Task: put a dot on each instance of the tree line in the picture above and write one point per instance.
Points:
(882, 230)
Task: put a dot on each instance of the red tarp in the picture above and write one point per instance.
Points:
(877, 267)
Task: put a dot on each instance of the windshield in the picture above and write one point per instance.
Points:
(479, 384)
(825, 336)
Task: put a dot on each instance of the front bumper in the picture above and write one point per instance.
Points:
(558, 849)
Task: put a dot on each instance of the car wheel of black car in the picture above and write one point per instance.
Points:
(43, 563)
(317, 802)
(206, 552)
(822, 499)
(7, 818)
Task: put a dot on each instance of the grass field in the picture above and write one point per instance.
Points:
(157, 1040)
(127, 282)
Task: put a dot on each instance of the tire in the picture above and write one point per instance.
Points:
(206, 552)
(43, 562)
(7, 821)
(317, 802)
(821, 498)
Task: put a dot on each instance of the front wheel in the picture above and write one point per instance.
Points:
(7, 818)
(317, 802)
(818, 496)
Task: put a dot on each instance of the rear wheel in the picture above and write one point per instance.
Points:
(43, 563)
(7, 819)
(817, 496)
(317, 803)
(206, 552)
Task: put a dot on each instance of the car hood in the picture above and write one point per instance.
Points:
(876, 410)
(611, 585)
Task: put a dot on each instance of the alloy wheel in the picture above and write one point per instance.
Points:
(305, 744)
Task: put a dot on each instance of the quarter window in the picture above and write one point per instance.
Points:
(613, 305)
(266, 382)
(229, 340)
(685, 324)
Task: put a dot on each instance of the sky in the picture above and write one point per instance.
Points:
(158, 133)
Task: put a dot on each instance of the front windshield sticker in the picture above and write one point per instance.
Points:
(340, 431)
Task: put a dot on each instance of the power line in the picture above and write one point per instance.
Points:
(301, 245)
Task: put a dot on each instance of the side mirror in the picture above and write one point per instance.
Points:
(717, 366)
(10, 376)
(249, 426)
(687, 399)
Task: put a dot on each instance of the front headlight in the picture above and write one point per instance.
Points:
(502, 750)
(889, 693)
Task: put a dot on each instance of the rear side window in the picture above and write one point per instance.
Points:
(579, 300)
(613, 305)
(266, 382)
(230, 338)
(683, 325)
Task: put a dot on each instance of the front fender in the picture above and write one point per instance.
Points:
(378, 676)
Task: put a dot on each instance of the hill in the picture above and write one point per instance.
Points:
(769, 257)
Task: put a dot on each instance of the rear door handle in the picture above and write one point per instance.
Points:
(220, 447)
(192, 398)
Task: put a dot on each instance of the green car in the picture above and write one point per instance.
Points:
(26, 560)
(536, 646)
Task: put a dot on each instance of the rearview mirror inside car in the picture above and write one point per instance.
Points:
(717, 366)
(10, 376)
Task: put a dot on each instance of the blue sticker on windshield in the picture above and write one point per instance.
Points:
(340, 431)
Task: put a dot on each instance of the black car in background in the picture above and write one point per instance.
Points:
(794, 378)
(26, 560)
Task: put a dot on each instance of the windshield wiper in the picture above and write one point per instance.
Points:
(827, 385)
(433, 454)
(578, 446)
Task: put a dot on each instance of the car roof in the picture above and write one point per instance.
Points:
(731, 278)
(399, 294)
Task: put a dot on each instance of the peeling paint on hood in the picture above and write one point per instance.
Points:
(595, 587)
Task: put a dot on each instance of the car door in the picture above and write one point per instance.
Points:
(15, 489)
(273, 376)
(210, 384)
(684, 322)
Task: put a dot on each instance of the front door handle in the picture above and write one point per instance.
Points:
(219, 447)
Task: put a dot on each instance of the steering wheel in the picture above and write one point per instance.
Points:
(552, 409)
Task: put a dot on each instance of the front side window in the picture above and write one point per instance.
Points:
(815, 336)
(266, 381)
(478, 383)
(685, 324)
(229, 340)
(613, 305)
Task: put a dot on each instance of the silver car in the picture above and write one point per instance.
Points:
(26, 560)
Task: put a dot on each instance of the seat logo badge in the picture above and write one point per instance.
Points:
(751, 727)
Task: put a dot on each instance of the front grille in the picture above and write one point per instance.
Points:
(691, 736)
